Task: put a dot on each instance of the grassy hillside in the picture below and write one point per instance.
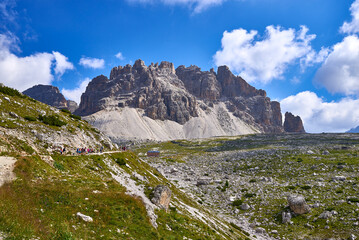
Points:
(52, 188)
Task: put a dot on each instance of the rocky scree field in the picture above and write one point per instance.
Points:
(246, 180)
(92, 196)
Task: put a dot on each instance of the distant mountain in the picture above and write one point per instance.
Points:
(50, 95)
(354, 130)
(160, 102)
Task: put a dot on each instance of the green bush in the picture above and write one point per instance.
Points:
(120, 161)
(52, 120)
(306, 187)
(237, 203)
(252, 181)
(30, 118)
(11, 92)
(75, 117)
(249, 195)
(65, 110)
(59, 166)
(353, 199)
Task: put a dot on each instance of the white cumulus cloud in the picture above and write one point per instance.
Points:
(24, 72)
(264, 58)
(340, 71)
(92, 62)
(75, 94)
(62, 63)
(197, 5)
(120, 56)
(353, 26)
(320, 116)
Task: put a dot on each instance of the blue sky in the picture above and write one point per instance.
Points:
(304, 53)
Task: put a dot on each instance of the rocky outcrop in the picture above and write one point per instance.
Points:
(156, 89)
(161, 196)
(297, 204)
(293, 124)
(50, 95)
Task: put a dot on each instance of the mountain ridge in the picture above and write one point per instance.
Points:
(160, 92)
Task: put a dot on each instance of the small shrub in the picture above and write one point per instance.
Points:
(252, 180)
(59, 166)
(65, 110)
(28, 149)
(249, 195)
(52, 120)
(353, 199)
(306, 187)
(237, 203)
(330, 209)
(120, 161)
(291, 187)
(75, 117)
(30, 118)
(300, 160)
(339, 191)
(244, 190)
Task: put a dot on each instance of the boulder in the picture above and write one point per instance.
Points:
(298, 204)
(84, 217)
(286, 217)
(161, 196)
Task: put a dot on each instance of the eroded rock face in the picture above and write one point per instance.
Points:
(161, 196)
(298, 204)
(293, 124)
(50, 95)
(168, 94)
(156, 89)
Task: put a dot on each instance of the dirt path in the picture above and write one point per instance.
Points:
(6, 169)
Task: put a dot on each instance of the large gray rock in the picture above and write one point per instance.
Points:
(293, 124)
(161, 196)
(297, 204)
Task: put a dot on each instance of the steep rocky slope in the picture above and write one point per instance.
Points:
(175, 101)
(50, 95)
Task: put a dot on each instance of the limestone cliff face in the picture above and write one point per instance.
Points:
(51, 96)
(165, 93)
(293, 124)
(155, 88)
(245, 101)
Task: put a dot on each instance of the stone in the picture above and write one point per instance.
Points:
(325, 215)
(203, 181)
(14, 115)
(7, 99)
(286, 217)
(245, 206)
(298, 204)
(260, 230)
(161, 196)
(339, 178)
(84, 217)
(293, 124)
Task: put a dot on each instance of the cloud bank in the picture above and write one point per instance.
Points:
(264, 58)
(24, 72)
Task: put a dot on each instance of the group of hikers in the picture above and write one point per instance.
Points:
(90, 150)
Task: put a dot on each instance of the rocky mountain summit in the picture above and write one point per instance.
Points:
(162, 103)
(50, 95)
(293, 123)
